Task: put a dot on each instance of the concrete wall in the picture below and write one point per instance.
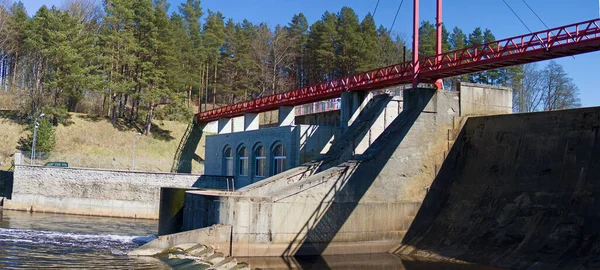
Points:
(364, 206)
(330, 118)
(344, 203)
(480, 99)
(218, 236)
(517, 192)
(302, 143)
(92, 192)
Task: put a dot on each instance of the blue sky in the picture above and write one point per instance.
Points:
(466, 14)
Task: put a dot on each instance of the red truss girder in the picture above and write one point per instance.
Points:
(548, 44)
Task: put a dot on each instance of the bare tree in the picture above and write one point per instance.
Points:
(260, 54)
(86, 10)
(282, 58)
(529, 92)
(546, 89)
(4, 17)
(559, 90)
(274, 54)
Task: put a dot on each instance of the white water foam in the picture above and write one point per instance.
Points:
(70, 239)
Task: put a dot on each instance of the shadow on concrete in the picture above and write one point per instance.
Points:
(516, 191)
(342, 149)
(6, 184)
(186, 151)
(381, 261)
(350, 187)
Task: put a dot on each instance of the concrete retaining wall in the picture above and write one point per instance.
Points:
(92, 192)
(480, 99)
(363, 206)
(517, 192)
(350, 201)
(218, 236)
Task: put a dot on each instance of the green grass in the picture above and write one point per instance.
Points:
(89, 141)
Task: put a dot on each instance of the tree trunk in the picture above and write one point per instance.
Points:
(14, 75)
(4, 72)
(103, 103)
(133, 106)
(215, 88)
(189, 94)
(149, 117)
(124, 106)
(113, 115)
(206, 88)
(200, 90)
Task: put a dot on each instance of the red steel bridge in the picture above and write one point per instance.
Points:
(552, 43)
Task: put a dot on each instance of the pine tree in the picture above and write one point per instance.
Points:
(298, 32)
(371, 50)
(321, 51)
(458, 40)
(192, 49)
(392, 48)
(45, 139)
(476, 38)
(119, 56)
(214, 38)
(350, 44)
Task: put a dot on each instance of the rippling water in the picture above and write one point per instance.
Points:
(40, 240)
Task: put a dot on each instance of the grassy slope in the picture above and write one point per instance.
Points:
(96, 142)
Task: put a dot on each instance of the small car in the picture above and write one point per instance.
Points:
(57, 164)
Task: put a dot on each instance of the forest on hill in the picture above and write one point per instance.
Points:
(141, 60)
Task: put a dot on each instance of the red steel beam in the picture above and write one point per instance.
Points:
(415, 45)
(548, 44)
(438, 41)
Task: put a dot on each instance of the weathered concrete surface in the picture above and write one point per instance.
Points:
(197, 256)
(360, 206)
(218, 236)
(92, 192)
(517, 191)
(480, 99)
(368, 123)
(170, 217)
(381, 261)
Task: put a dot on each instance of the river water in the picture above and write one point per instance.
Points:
(39, 240)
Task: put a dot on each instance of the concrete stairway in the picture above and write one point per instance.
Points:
(198, 256)
(367, 125)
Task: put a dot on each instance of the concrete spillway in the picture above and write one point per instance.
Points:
(361, 197)
(516, 191)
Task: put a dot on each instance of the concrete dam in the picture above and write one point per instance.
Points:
(516, 191)
(512, 191)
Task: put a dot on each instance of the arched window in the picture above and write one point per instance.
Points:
(228, 162)
(243, 161)
(260, 156)
(279, 159)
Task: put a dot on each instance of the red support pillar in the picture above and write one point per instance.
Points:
(438, 50)
(438, 24)
(415, 45)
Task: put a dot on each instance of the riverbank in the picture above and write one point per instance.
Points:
(96, 142)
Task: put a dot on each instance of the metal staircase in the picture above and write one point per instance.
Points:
(184, 139)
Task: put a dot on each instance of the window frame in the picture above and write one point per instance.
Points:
(279, 159)
(260, 160)
(243, 161)
(228, 161)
